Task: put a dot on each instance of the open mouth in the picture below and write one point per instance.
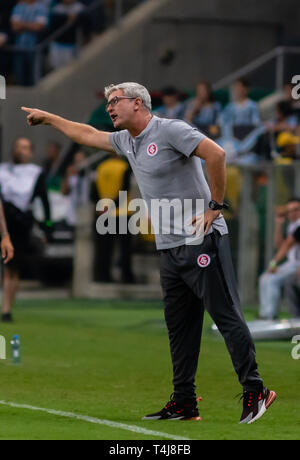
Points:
(114, 117)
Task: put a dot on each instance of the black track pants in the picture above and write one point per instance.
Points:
(194, 278)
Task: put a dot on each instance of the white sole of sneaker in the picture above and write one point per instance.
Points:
(265, 406)
(177, 418)
(152, 418)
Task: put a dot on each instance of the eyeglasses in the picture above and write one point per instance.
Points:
(115, 100)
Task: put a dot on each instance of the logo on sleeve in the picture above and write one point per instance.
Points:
(203, 260)
(152, 149)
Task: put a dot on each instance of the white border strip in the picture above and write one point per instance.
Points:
(86, 418)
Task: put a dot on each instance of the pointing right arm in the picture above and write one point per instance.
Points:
(78, 132)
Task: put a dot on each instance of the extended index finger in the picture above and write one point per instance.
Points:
(26, 109)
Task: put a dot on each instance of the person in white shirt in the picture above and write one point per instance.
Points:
(76, 186)
(21, 182)
(272, 282)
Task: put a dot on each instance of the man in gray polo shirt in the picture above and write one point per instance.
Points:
(165, 156)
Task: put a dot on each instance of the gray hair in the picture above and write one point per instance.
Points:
(131, 90)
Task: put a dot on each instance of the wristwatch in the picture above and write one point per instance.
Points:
(215, 206)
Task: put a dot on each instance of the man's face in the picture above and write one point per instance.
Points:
(293, 211)
(22, 152)
(122, 111)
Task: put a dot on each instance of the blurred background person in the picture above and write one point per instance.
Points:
(29, 18)
(52, 157)
(203, 109)
(6, 7)
(171, 106)
(95, 19)
(51, 165)
(272, 282)
(7, 250)
(63, 48)
(112, 176)
(48, 4)
(285, 119)
(3, 38)
(294, 103)
(292, 286)
(292, 291)
(4, 30)
(3, 41)
(242, 110)
(21, 182)
(76, 186)
(288, 145)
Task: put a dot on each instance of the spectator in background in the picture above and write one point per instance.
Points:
(171, 106)
(288, 96)
(48, 4)
(242, 111)
(3, 28)
(292, 286)
(76, 185)
(3, 38)
(3, 41)
(6, 7)
(271, 283)
(29, 18)
(203, 110)
(292, 291)
(95, 19)
(63, 49)
(6, 247)
(51, 165)
(289, 145)
(112, 176)
(53, 152)
(284, 120)
(21, 182)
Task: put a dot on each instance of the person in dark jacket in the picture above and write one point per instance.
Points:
(63, 49)
(21, 182)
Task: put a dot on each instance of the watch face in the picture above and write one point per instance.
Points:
(214, 205)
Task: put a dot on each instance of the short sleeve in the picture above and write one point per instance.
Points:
(118, 141)
(296, 235)
(183, 137)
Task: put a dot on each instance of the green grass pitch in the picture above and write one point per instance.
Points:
(111, 360)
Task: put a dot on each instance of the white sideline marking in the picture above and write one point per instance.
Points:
(86, 418)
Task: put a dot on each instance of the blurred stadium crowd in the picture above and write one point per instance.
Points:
(61, 26)
(67, 181)
(237, 126)
(74, 178)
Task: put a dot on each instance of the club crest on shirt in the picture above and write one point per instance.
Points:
(203, 260)
(152, 149)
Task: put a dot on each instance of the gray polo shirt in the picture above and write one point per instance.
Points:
(165, 169)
